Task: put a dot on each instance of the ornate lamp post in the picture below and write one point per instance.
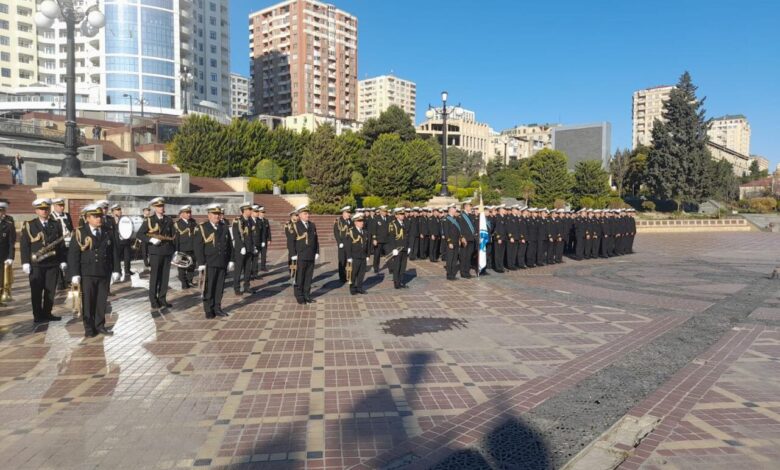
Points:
(89, 21)
(432, 113)
(186, 77)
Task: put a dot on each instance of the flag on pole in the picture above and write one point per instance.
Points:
(484, 237)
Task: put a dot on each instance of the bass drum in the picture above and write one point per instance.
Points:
(129, 226)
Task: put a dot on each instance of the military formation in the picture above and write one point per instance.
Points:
(92, 253)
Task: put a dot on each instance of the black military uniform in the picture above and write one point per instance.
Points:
(184, 243)
(533, 239)
(125, 247)
(434, 231)
(379, 238)
(522, 242)
(500, 239)
(424, 235)
(289, 235)
(340, 230)
(67, 230)
(356, 245)
(213, 253)
(93, 258)
(453, 233)
(513, 244)
(306, 250)
(264, 227)
(160, 254)
(44, 270)
(7, 242)
(470, 233)
(398, 239)
(243, 248)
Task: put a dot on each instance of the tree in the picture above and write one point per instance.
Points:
(393, 120)
(637, 170)
(724, 184)
(268, 169)
(421, 160)
(550, 176)
(678, 162)
(619, 168)
(590, 180)
(195, 148)
(326, 166)
(386, 176)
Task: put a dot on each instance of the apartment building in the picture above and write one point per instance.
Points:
(647, 106)
(239, 95)
(731, 131)
(377, 94)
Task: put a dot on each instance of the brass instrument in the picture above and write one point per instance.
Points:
(202, 283)
(293, 270)
(75, 297)
(161, 237)
(47, 251)
(8, 281)
(182, 260)
(349, 273)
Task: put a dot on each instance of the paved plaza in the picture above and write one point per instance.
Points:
(518, 370)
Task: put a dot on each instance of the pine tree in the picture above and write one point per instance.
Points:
(393, 120)
(387, 176)
(326, 166)
(195, 147)
(590, 180)
(618, 167)
(551, 177)
(422, 161)
(678, 162)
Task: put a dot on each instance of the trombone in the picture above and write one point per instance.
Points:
(8, 281)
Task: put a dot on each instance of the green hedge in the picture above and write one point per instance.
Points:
(372, 201)
(298, 186)
(260, 186)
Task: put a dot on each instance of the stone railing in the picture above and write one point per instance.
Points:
(693, 225)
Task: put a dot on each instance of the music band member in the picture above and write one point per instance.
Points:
(265, 237)
(398, 243)
(43, 253)
(289, 233)
(257, 235)
(213, 253)
(7, 242)
(125, 247)
(379, 235)
(306, 251)
(243, 248)
(340, 229)
(147, 212)
(93, 257)
(356, 243)
(58, 213)
(184, 243)
(158, 233)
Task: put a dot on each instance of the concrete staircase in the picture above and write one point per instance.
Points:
(18, 197)
(277, 212)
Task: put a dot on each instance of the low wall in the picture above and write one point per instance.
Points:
(693, 225)
(147, 186)
(230, 202)
(296, 200)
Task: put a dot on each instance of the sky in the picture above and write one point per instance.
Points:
(569, 61)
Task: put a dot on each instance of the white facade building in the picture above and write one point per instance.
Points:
(732, 131)
(377, 94)
(239, 95)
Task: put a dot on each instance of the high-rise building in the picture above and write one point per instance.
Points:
(134, 61)
(377, 94)
(239, 95)
(763, 162)
(647, 106)
(731, 131)
(304, 60)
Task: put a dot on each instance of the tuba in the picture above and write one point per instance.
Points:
(8, 281)
(182, 260)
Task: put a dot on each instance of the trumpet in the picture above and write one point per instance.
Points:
(75, 297)
(349, 273)
(8, 281)
(293, 270)
(202, 283)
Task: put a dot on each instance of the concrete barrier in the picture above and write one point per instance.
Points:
(692, 225)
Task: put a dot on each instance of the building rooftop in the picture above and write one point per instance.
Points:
(730, 116)
(761, 182)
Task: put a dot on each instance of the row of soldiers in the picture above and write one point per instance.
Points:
(517, 237)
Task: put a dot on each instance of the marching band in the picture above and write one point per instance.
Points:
(91, 253)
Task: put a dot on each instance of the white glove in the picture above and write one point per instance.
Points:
(341, 245)
(294, 258)
(231, 265)
(368, 259)
(243, 251)
(63, 266)
(9, 262)
(75, 280)
(349, 260)
(201, 268)
(26, 268)
(255, 251)
(114, 277)
(395, 252)
(262, 244)
(316, 257)
(408, 251)
(155, 241)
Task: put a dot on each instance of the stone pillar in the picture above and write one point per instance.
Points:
(77, 192)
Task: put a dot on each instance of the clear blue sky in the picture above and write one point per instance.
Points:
(568, 61)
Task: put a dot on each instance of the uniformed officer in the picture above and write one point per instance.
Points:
(213, 253)
(147, 212)
(470, 233)
(158, 232)
(63, 218)
(398, 243)
(356, 245)
(184, 243)
(257, 235)
(243, 248)
(289, 233)
(434, 231)
(93, 258)
(42, 247)
(452, 238)
(340, 230)
(379, 236)
(306, 251)
(125, 247)
(7, 243)
(265, 237)
(500, 239)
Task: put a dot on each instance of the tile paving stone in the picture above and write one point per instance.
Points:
(278, 385)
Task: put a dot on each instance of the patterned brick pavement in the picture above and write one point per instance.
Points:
(391, 377)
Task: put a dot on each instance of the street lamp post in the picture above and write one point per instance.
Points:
(444, 112)
(89, 21)
(186, 78)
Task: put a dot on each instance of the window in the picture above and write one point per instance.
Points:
(213, 77)
(157, 33)
(213, 35)
(158, 67)
(121, 64)
(166, 85)
(213, 62)
(3, 8)
(3, 24)
(212, 21)
(5, 41)
(212, 6)
(5, 56)
(213, 49)
(214, 91)
(121, 81)
(6, 73)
